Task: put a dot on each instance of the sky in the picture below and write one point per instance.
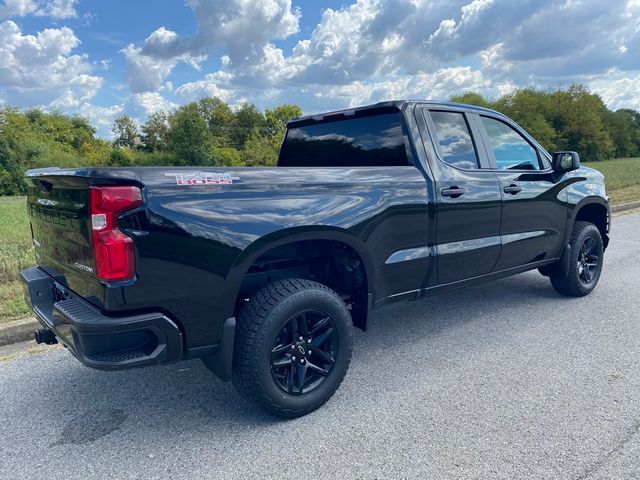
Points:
(102, 59)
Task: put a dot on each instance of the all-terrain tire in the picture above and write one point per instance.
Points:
(260, 323)
(577, 282)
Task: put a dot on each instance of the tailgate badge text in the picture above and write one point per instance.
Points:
(202, 178)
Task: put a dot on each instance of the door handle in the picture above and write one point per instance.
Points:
(453, 192)
(512, 189)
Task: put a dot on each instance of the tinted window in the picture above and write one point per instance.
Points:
(511, 150)
(362, 141)
(456, 145)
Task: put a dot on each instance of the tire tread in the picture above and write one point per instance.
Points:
(570, 284)
(250, 320)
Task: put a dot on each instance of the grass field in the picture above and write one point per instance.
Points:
(16, 251)
(622, 176)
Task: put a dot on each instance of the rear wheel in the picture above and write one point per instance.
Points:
(293, 346)
(585, 262)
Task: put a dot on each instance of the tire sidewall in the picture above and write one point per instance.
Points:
(309, 299)
(590, 231)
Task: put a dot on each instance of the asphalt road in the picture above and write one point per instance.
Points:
(504, 380)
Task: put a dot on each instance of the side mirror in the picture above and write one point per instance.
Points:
(565, 161)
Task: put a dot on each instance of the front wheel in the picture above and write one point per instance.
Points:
(293, 346)
(585, 262)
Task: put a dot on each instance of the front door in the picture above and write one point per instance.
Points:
(467, 198)
(534, 209)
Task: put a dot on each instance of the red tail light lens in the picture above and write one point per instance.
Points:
(112, 249)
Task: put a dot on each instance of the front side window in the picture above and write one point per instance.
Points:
(370, 141)
(511, 150)
(454, 139)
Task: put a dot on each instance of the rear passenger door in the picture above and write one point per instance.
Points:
(467, 195)
(534, 209)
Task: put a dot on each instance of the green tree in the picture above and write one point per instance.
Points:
(219, 119)
(189, 137)
(259, 150)
(120, 157)
(10, 172)
(82, 132)
(530, 108)
(567, 119)
(155, 132)
(33, 139)
(276, 119)
(624, 129)
(247, 119)
(471, 98)
(96, 152)
(578, 117)
(125, 132)
(276, 122)
(227, 156)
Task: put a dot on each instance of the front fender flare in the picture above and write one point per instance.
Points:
(594, 199)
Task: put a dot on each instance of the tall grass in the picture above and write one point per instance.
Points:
(16, 253)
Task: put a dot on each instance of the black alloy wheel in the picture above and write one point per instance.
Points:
(305, 352)
(586, 258)
(588, 261)
(293, 345)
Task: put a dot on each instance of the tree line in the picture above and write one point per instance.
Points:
(210, 132)
(207, 132)
(569, 119)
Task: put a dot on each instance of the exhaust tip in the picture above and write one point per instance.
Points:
(44, 335)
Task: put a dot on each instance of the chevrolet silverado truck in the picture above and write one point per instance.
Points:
(263, 272)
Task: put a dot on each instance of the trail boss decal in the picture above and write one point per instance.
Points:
(202, 178)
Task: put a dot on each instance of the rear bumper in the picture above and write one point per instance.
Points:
(97, 340)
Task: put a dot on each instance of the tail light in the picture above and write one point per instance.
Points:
(112, 249)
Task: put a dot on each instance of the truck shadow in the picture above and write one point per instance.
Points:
(184, 398)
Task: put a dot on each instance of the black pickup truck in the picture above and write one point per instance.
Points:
(262, 272)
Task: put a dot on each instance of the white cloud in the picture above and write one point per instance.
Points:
(341, 48)
(17, 8)
(100, 117)
(57, 9)
(429, 86)
(618, 89)
(371, 50)
(366, 51)
(242, 27)
(141, 105)
(60, 8)
(41, 69)
(207, 87)
(146, 71)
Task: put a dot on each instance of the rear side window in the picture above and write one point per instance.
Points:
(454, 139)
(511, 150)
(372, 141)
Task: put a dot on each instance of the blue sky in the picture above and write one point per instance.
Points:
(103, 59)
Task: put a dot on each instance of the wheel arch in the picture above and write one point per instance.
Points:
(595, 210)
(302, 235)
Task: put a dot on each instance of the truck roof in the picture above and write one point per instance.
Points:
(380, 107)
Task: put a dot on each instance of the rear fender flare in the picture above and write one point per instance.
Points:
(283, 237)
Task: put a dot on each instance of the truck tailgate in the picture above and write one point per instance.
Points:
(58, 208)
(75, 217)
